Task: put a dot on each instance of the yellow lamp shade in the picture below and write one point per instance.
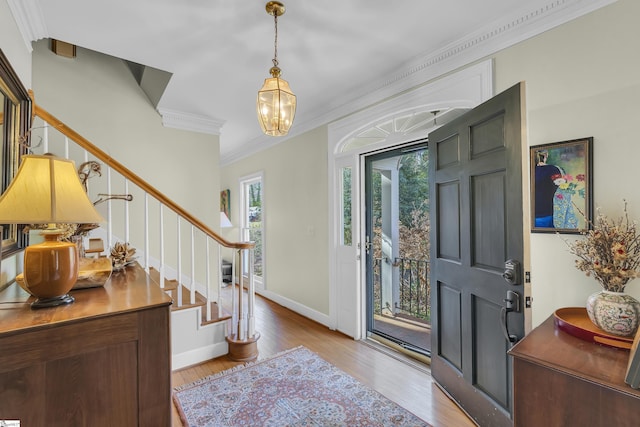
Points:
(46, 190)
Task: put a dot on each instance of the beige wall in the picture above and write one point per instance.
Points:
(582, 80)
(98, 97)
(13, 45)
(296, 215)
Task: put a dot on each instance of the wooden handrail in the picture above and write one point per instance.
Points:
(129, 175)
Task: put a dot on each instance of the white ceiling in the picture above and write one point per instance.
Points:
(334, 53)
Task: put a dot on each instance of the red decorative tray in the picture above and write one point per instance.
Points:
(576, 322)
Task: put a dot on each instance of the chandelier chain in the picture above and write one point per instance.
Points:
(275, 43)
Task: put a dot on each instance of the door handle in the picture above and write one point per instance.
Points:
(512, 304)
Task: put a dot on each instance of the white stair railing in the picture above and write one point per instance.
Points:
(131, 222)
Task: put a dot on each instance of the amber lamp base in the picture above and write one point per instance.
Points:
(50, 271)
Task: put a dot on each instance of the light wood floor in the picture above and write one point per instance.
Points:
(282, 329)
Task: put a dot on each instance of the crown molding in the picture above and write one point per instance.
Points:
(191, 122)
(500, 34)
(29, 19)
(509, 30)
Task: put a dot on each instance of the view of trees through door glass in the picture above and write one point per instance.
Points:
(346, 238)
(253, 223)
(397, 189)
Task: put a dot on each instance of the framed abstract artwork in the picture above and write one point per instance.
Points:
(561, 186)
(225, 200)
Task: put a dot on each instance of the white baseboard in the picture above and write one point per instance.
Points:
(303, 310)
(199, 355)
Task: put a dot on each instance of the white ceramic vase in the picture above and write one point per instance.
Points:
(616, 313)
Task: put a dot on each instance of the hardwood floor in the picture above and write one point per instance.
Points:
(282, 329)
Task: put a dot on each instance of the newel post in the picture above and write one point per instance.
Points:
(242, 337)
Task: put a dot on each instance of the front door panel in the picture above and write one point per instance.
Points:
(477, 225)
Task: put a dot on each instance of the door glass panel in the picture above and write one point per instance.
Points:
(345, 226)
(253, 225)
(397, 192)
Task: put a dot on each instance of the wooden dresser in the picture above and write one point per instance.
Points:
(561, 380)
(103, 360)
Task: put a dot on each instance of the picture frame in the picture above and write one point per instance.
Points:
(562, 186)
(225, 202)
(15, 122)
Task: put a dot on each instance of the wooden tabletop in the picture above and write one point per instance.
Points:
(553, 348)
(128, 290)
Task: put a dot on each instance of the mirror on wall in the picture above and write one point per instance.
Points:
(3, 99)
(15, 119)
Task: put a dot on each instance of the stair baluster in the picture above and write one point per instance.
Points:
(242, 336)
(179, 247)
(146, 235)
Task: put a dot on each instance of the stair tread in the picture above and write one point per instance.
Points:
(171, 288)
(169, 284)
(215, 317)
(199, 300)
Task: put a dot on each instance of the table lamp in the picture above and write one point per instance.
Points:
(47, 190)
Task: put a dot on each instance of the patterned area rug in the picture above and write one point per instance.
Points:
(294, 388)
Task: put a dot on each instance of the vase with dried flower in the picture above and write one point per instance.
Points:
(610, 253)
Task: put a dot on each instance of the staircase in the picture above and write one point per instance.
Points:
(178, 251)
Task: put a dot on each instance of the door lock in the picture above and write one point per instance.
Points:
(512, 272)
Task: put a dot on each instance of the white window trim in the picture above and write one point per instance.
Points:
(259, 282)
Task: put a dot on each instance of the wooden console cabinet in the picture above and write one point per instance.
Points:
(561, 380)
(103, 360)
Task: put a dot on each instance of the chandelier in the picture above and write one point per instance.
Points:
(276, 104)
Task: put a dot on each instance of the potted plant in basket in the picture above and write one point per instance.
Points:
(610, 253)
